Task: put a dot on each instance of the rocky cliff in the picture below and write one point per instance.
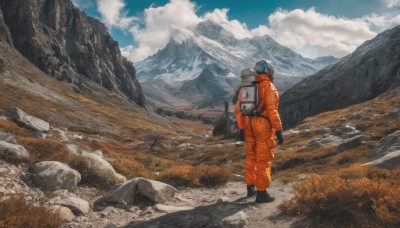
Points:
(68, 45)
(372, 69)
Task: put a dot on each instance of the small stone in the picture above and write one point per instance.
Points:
(238, 219)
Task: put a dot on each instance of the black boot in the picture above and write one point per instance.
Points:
(251, 190)
(264, 197)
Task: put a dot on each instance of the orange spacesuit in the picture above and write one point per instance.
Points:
(259, 132)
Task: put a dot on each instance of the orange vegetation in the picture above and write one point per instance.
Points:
(17, 212)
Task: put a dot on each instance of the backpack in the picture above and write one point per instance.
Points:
(249, 94)
(249, 100)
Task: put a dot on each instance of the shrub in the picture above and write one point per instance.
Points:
(365, 196)
(130, 168)
(155, 140)
(177, 176)
(199, 176)
(45, 149)
(209, 176)
(13, 128)
(92, 173)
(17, 212)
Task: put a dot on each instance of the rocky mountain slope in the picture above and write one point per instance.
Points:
(372, 69)
(189, 53)
(68, 45)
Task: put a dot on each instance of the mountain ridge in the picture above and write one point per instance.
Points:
(70, 46)
(372, 69)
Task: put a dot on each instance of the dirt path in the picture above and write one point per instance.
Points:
(212, 206)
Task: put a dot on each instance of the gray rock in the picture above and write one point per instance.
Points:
(6, 137)
(26, 120)
(156, 191)
(39, 134)
(390, 161)
(321, 130)
(347, 131)
(387, 144)
(395, 113)
(75, 149)
(238, 219)
(54, 175)
(121, 196)
(350, 143)
(13, 152)
(171, 209)
(77, 205)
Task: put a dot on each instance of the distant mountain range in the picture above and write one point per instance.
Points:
(372, 69)
(202, 66)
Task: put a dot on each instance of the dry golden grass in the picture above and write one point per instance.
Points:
(13, 128)
(199, 176)
(358, 196)
(131, 168)
(45, 149)
(17, 212)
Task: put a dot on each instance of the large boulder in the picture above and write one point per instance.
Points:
(125, 194)
(390, 161)
(388, 144)
(13, 152)
(26, 120)
(97, 165)
(122, 195)
(156, 191)
(54, 175)
(6, 137)
(77, 205)
(387, 154)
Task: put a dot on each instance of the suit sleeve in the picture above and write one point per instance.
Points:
(271, 98)
(239, 117)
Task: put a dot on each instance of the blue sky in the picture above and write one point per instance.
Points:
(143, 26)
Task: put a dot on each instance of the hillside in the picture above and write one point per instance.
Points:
(70, 46)
(372, 69)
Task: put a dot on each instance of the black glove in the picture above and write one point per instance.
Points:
(279, 137)
(241, 135)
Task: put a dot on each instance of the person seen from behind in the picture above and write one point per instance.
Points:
(258, 129)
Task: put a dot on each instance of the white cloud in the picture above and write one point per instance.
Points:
(308, 32)
(392, 3)
(158, 24)
(114, 14)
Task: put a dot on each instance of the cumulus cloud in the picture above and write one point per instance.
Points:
(308, 32)
(392, 3)
(313, 34)
(114, 14)
(158, 26)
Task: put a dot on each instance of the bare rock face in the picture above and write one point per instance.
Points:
(65, 43)
(5, 36)
(372, 69)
